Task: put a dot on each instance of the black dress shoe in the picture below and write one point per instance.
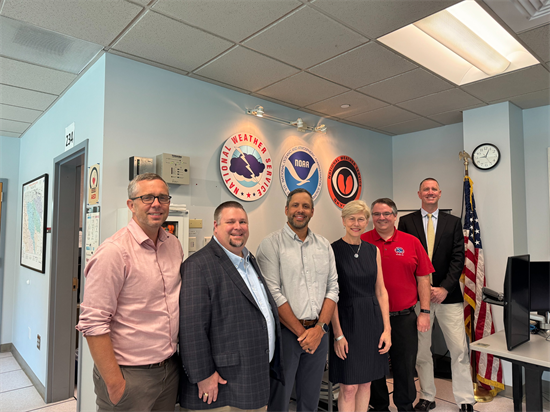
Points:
(424, 405)
(466, 407)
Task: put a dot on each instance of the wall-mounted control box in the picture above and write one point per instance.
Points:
(140, 165)
(174, 169)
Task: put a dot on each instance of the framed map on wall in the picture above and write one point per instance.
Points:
(33, 224)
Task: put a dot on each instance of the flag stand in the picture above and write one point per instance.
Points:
(480, 393)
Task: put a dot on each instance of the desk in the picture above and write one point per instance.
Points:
(534, 356)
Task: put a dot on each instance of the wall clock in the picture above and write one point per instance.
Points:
(485, 156)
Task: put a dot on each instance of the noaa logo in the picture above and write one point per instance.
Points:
(300, 169)
(245, 165)
(344, 181)
(399, 251)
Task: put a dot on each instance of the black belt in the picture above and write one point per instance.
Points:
(152, 365)
(403, 312)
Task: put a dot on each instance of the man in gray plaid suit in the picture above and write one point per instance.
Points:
(230, 337)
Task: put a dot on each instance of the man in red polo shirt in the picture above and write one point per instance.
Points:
(406, 267)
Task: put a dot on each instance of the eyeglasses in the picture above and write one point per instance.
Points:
(150, 199)
(359, 220)
(385, 214)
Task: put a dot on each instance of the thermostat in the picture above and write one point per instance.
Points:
(174, 169)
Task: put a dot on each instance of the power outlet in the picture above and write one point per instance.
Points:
(38, 342)
(192, 244)
(207, 239)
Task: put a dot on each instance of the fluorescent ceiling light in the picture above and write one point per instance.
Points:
(462, 43)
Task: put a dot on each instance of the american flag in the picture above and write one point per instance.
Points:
(488, 367)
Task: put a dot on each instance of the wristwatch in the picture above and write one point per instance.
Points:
(424, 310)
(323, 326)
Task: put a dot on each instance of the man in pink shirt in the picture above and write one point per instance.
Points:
(130, 311)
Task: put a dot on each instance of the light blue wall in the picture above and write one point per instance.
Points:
(9, 169)
(83, 104)
(429, 153)
(536, 135)
(150, 111)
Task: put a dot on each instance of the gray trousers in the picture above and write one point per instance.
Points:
(153, 389)
(301, 368)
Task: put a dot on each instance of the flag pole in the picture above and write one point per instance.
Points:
(480, 393)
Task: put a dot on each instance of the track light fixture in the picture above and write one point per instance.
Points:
(258, 111)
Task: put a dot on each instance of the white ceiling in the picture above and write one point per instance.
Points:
(313, 55)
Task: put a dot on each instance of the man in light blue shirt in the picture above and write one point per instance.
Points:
(230, 336)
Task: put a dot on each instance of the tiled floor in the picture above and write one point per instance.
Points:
(17, 394)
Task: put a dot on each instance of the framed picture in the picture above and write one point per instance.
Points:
(33, 224)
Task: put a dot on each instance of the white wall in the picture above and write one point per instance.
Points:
(9, 169)
(83, 105)
(150, 111)
(536, 133)
(429, 153)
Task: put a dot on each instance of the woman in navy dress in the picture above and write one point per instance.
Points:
(361, 332)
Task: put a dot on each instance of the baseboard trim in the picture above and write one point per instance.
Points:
(5, 347)
(28, 371)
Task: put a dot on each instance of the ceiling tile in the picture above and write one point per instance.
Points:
(271, 99)
(304, 38)
(29, 76)
(246, 69)
(539, 41)
(411, 126)
(406, 86)
(9, 134)
(169, 42)
(383, 117)
(302, 89)
(512, 84)
(13, 126)
(16, 96)
(149, 62)
(212, 81)
(530, 100)
(234, 20)
(98, 21)
(375, 18)
(19, 113)
(364, 65)
(448, 117)
(358, 102)
(454, 99)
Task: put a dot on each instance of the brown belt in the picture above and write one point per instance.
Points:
(306, 322)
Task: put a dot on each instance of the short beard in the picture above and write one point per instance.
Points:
(297, 225)
(233, 244)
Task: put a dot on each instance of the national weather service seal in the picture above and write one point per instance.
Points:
(300, 168)
(246, 167)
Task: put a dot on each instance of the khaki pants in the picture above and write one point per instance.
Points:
(228, 409)
(451, 320)
(154, 389)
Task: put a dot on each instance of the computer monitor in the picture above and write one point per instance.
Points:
(516, 301)
(540, 286)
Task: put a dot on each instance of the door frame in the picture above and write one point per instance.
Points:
(3, 212)
(61, 332)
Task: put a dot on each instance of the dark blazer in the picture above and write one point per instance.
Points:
(222, 329)
(448, 254)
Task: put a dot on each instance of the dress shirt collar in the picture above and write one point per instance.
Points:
(293, 234)
(434, 214)
(140, 236)
(235, 259)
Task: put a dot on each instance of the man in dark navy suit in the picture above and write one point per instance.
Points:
(230, 336)
(442, 237)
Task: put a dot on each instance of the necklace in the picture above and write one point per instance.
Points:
(355, 254)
